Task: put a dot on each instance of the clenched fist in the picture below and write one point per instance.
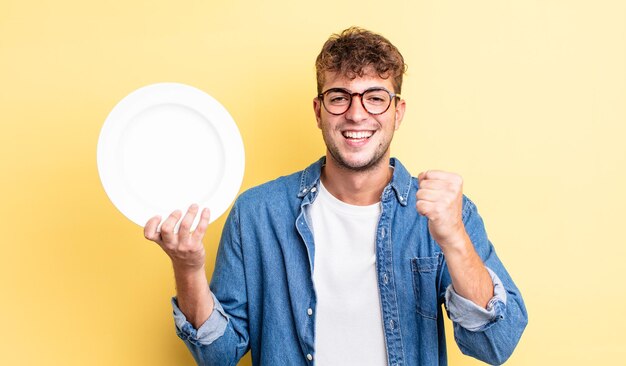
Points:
(184, 247)
(440, 199)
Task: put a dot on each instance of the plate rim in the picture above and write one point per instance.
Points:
(171, 92)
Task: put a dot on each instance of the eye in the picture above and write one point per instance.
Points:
(376, 97)
(337, 98)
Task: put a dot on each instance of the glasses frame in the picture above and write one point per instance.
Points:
(392, 96)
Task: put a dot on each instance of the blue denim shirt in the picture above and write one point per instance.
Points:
(265, 299)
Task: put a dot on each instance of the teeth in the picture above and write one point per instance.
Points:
(357, 134)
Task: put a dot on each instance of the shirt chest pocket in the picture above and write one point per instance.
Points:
(425, 285)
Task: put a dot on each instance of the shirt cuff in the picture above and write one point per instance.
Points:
(471, 316)
(213, 328)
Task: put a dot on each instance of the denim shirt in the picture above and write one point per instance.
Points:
(265, 299)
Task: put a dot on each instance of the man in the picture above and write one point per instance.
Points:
(349, 261)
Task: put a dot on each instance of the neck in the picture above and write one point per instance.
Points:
(360, 188)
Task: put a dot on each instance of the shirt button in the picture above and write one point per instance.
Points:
(309, 357)
(309, 311)
(385, 278)
(313, 189)
(392, 324)
(383, 232)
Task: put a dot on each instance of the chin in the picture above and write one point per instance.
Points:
(360, 165)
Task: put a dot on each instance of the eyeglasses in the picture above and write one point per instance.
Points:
(376, 100)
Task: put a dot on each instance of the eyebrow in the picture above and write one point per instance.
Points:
(351, 92)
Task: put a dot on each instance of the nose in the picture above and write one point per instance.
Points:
(356, 112)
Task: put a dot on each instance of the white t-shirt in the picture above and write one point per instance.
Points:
(348, 322)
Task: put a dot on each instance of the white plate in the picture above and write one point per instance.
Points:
(165, 146)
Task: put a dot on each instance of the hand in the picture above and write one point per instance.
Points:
(184, 248)
(440, 199)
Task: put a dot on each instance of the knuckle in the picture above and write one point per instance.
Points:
(454, 186)
(168, 227)
(172, 246)
(188, 245)
(169, 249)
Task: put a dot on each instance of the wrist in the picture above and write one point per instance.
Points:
(190, 282)
(193, 295)
(458, 247)
(187, 274)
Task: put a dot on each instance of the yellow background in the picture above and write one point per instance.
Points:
(525, 99)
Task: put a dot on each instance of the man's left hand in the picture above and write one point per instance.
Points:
(440, 199)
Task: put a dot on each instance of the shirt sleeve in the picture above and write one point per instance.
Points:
(213, 328)
(494, 341)
(472, 317)
(223, 338)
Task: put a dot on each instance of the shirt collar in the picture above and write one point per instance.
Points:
(400, 181)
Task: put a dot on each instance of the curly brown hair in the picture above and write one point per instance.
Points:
(355, 50)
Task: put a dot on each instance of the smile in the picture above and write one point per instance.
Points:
(357, 135)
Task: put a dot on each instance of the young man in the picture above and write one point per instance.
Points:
(348, 261)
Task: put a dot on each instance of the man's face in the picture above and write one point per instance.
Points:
(358, 140)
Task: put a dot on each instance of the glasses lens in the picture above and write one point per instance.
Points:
(337, 101)
(376, 101)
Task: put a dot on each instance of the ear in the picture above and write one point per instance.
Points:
(317, 108)
(399, 113)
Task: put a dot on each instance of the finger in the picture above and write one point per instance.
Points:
(425, 208)
(185, 225)
(435, 184)
(150, 230)
(428, 209)
(167, 228)
(198, 234)
(422, 176)
(430, 195)
(442, 175)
